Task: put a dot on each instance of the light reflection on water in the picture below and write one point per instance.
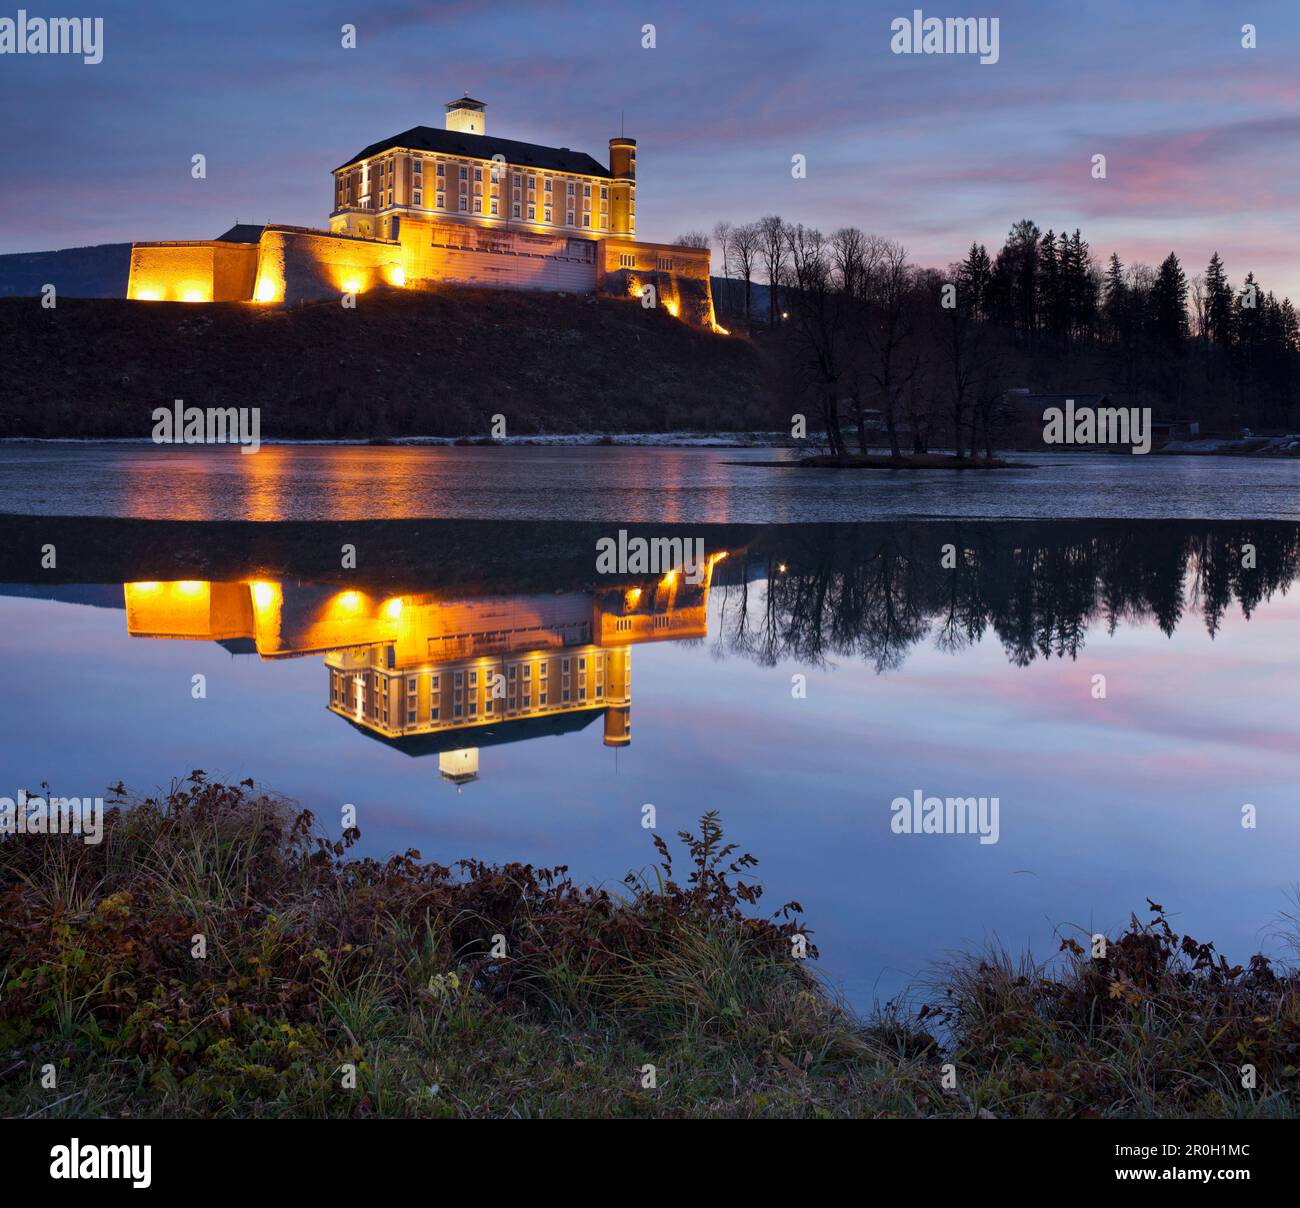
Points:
(972, 681)
(297, 482)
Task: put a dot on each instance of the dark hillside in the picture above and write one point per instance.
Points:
(436, 363)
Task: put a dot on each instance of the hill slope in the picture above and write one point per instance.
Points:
(404, 362)
(100, 271)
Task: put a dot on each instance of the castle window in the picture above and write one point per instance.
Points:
(517, 193)
(626, 261)
(417, 200)
(442, 168)
(532, 213)
(546, 214)
(478, 173)
(586, 220)
(418, 165)
(478, 205)
(464, 172)
(516, 209)
(572, 186)
(570, 219)
(494, 205)
(532, 182)
(464, 202)
(664, 263)
(586, 190)
(547, 184)
(442, 201)
(604, 192)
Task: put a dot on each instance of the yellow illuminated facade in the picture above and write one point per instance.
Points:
(449, 204)
(430, 674)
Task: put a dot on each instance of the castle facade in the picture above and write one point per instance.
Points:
(451, 204)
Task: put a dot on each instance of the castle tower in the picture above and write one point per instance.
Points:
(459, 767)
(467, 116)
(622, 193)
(618, 696)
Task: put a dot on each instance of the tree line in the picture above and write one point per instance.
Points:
(865, 332)
(876, 591)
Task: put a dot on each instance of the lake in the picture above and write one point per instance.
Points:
(1122, 687)
(324, 482)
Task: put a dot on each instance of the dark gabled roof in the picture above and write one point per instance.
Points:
(483, 146)
(242, 232)
(466, 102)
(496, 734)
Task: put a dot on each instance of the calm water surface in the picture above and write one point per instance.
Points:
(978, 681)
(296, 482)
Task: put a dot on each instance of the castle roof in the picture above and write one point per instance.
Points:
(496, 734)
(484, 146)
(242, 232)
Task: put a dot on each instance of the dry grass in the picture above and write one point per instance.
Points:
(317, 963)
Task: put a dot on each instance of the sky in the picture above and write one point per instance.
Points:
(1199, 133)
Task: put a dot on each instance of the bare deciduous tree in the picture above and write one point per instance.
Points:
(816, 332)
(772, 249)
(745, 242)
(722, 237)
(888, 331)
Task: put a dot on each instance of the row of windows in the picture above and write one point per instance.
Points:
(379, 197)
(511, 703)
(548, 215)
(351, 181)
(520, 689)
(514, 672)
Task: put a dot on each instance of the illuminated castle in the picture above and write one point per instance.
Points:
(436, 205)
(431, 675)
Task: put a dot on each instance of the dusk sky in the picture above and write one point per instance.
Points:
(1199, 133)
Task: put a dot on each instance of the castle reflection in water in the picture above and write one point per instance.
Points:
(431, 675)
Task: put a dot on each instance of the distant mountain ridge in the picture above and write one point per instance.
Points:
(99, 271)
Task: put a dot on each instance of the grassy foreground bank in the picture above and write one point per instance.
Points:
(313, 963)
